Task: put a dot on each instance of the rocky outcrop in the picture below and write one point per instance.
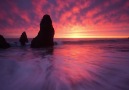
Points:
(3, 43)
(23, 39)
(45, 35)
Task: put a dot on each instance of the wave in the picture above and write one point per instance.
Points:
(76, 42)
(94, 41)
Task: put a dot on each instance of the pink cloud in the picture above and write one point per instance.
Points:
(69, 17)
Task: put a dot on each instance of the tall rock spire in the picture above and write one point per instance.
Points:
(45, 35)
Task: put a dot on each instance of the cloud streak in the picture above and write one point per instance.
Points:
(71, 18)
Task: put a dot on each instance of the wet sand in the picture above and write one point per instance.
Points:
(65, 67)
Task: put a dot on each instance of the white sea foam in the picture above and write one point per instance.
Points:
(66, 66)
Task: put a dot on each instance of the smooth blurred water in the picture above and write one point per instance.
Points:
(67, 66)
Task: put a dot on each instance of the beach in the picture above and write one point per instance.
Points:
(77, 64)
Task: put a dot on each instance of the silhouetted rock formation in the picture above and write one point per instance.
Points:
(45, 35)
(23, 39)
(3, 43)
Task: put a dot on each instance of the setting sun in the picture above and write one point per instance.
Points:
(70, 19)
(76, 32)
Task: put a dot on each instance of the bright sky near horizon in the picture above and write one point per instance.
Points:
(71, 18)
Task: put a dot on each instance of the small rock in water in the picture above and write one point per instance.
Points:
(23, 39)
(3, 43)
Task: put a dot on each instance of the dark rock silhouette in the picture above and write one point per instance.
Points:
(3, 43)
(45, 35)
(23, 39)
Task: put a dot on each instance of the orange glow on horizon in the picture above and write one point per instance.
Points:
(74, 36)
(83, 19)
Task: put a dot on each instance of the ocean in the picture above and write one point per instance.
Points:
(72, 64)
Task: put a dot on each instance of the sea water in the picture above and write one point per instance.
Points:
(72, 64)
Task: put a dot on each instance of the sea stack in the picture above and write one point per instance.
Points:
(45, 35)
(3, 43)
(23, 39)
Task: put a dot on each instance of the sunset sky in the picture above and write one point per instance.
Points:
(71, 18)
